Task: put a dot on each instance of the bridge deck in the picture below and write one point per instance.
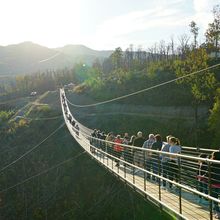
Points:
(191, 209)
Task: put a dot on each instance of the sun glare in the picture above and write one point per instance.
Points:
(50, 23)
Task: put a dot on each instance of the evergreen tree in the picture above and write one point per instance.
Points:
(195, 31)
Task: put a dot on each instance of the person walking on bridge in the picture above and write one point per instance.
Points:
(131, 143)
(93, 141)
(110, 137)
(138, 153)
(157, 145)
(148, 145)
(118, 149)
(173, 163)
(127, 150)
(165, 159)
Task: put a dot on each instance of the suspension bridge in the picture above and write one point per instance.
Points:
(187, 199)
(183, 200)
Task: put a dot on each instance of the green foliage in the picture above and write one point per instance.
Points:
(4, 116)
(23, 85)
(195, 31)
(43, 109)
(79, 189)
(203, 84)
(214, 120)
(116, 58)
(81, 88)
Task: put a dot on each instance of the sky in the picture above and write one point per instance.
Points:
(101, 24)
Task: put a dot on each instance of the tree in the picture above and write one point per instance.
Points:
(202, 85)
(172, 46)
(214, 119)
(107, 66)
(184, 46)
(195, 31)
(116, 57)
(213, 32)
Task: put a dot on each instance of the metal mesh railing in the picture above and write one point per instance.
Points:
(185, 184)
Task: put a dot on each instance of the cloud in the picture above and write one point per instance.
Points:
(203, 13)
(163, 19)
(204, 6)
(138, 21)
(120, 28)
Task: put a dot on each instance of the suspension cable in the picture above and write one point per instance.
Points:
(142, 90)
(40, 119)
(33, 119)
(13, 100)
(43, 172)
(33, 148)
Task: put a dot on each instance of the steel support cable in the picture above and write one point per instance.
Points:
(113, 194)
(41, 119)
(19, 110)
(32, 149)
(142, 90)
(13, 100)
(34, 119)
(97, 203)
(43, 172)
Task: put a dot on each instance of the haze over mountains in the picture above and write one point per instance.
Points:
(28, 57)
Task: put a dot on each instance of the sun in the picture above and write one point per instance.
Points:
(48, 22)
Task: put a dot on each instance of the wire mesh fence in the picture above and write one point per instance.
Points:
(187, 182)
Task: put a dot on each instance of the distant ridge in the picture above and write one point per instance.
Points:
(28, 57)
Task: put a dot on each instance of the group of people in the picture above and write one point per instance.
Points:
(69, 117)
(149, 160)
(155, 162)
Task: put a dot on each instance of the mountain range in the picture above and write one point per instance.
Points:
(28, 57)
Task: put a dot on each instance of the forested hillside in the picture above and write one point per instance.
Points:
(75, 188)
(134, 69)
(28, 58)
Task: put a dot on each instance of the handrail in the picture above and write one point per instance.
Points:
(201, 149)
(156, 151)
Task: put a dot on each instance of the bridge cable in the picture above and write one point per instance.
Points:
(43, 172)
(41, 119)
(34, 119)
(142, 90)
(33, 148)
(13, 100)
